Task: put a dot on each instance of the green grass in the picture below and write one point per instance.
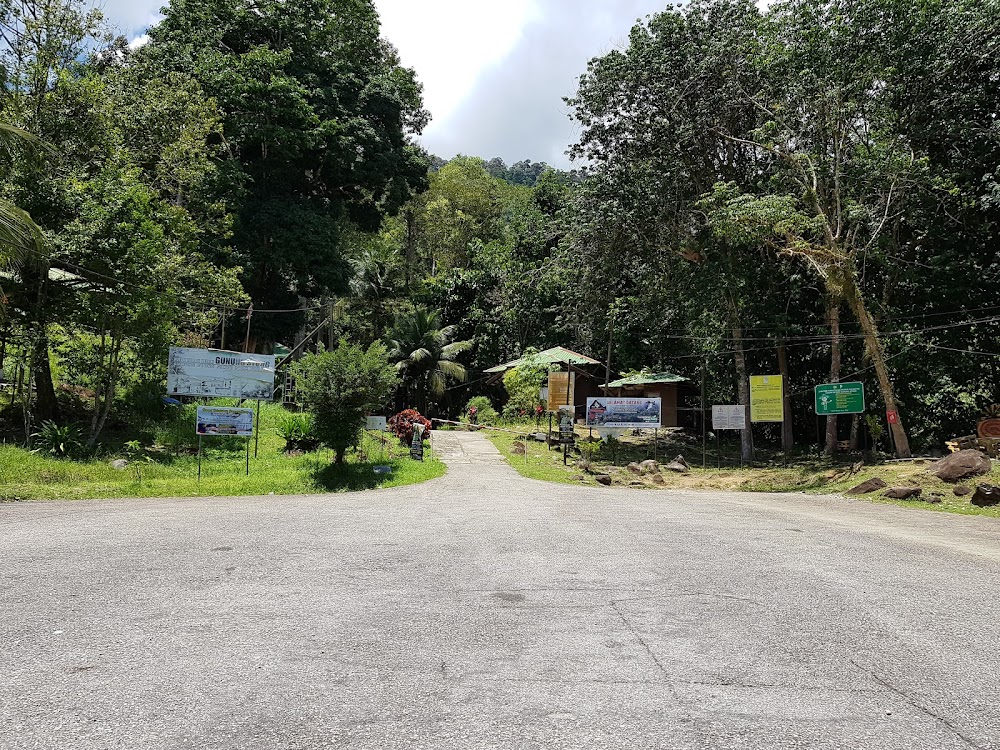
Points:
(805, 475)
(174, 471)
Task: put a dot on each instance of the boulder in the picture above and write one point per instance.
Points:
(961, 490)
(963, 465)
(634, 468)
(604, 479)
(517, 449)
(120, 464)
(658, 479)
(934, 497)
(650, 467)
(636, 483)
(903, 493)
(870, 485)
(680, 467)
(986, 495)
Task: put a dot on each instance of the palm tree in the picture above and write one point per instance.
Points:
(425, 354)
(19, 235)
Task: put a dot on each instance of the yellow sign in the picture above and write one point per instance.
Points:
(766, 399)
(561, 390)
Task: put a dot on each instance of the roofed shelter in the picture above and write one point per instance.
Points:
(589, 372)
(665, 386)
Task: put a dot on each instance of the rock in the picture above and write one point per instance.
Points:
(903, 493)
(934, 497)
(650, 467)
(985, 496)
(634, 468)
(636, 483)
(583, 465)
(961, 490)
(658, 479)
(963, 465)
(867, 486)
(539, 437)
(579, 478)
(679, 465)
(517, 449)
(603, 479)
(120, 464)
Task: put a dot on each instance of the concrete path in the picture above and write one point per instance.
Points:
(483, 610)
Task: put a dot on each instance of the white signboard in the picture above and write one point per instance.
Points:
(222, 420)
(729, 417)
(219, 374)
(623, 413)
(377, 423)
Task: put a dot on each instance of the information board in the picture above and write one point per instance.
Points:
(224, 421)
(220, 374)
(729, 417)
(840, 398)
(377, 424)
(562, 387)
(767, 399)
(624, 412)
(417, 443)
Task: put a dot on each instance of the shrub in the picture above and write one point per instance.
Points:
(340, 387)
(484, 412)
(523, 385)
(297, 431)
(401, 425)
(61, 441)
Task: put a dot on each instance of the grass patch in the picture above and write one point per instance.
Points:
(173, 471)
(805, 474)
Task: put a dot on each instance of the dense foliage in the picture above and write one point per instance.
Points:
(811, 189)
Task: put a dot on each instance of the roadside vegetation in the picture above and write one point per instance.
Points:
(811, 474)
(163, 462)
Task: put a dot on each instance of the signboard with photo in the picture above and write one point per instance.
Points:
(624, 412)
(215, 421)
(220, 374)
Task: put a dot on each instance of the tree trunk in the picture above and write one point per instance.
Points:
(411, 244)
(46, 405)
(832, 423)
(787, 434)
(743, 389)
(109, 392)
(341, 452)
(873, 345)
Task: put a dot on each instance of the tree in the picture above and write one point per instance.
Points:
(340, 387)
(318, 119)
(425, 355)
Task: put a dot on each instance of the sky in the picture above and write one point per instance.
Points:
(494, 71)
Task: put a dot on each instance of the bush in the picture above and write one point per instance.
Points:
(484, 412)
(62, 441)
(340, 387)
(298, 433)
(401, 425)
(523, 385)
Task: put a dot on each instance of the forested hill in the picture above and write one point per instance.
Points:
(812, 190)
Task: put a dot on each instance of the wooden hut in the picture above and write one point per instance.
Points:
(665, 386)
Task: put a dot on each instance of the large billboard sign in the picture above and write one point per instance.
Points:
(623, 413)
(218, 374)
(226, 421)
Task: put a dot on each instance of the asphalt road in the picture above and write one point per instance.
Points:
(483, 610)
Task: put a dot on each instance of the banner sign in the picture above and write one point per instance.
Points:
(417, 443)
(225, 421)
(766, 399)
(219, 374)
(567, 424)
(729, 417)
(840, 398)
(378, 424)
(626, 413)
(562, 389)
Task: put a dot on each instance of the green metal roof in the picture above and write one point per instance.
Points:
(648, 378)
(557, 355)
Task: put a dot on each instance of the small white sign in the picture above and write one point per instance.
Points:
(378, 424)
(729, 417)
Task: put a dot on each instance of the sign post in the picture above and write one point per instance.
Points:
(213, 373)
(561, 390)
(727, 417)
(223, 421)
(840, 398)
(624, 413)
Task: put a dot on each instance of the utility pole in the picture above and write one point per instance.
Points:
(246, 343)
(611, 336)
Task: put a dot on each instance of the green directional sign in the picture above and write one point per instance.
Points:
(840, 398)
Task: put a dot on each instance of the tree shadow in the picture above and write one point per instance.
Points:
(349, 477)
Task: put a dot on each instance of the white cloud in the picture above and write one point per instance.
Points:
(139, 41)
(132, 16)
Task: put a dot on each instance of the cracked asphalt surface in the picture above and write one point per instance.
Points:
(483, 610)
